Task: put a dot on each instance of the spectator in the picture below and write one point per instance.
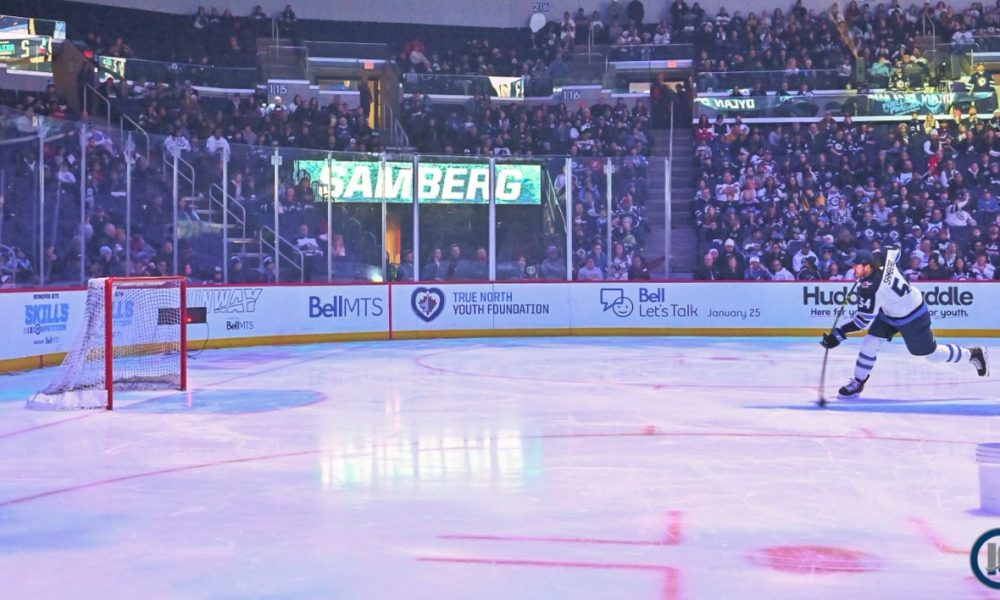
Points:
(638, 271)
(934, 271)
(618, 269)
(799, 259)
(434, 270)
(216, 144)
(553, 268)
(237, 274)
(589, 271)
(288, 23)
(957, 215)
(636, 12)
(405, 270)
(310, 250)
(268, 273)
(755, 271)
(731, 270)
(809, 270)
(779, 272)
(480, 268)
(982, 269)
(707, 271)
(456, 264)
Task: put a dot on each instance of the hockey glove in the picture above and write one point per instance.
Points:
(832, 339)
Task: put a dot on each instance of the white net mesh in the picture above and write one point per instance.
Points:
(145, 344)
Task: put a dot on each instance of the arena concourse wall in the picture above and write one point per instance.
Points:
(42, 323)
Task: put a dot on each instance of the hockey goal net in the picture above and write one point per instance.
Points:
(132, 338)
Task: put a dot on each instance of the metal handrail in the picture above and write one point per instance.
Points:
(276, 247)
(668, 215)
(397, 134)
(139, 129)
(924, 20)
(241, 220)
(90, 88)
(590, 42)
(168, 164)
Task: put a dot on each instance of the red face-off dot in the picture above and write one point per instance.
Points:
(814, 559)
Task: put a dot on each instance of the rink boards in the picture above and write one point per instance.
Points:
(41, 324)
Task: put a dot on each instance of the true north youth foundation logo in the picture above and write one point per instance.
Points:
(427, 303)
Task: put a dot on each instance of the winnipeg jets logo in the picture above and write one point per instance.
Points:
(427, 303)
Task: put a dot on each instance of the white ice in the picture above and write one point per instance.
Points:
(625, 468)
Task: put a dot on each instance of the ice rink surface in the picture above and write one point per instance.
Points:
(625, 468)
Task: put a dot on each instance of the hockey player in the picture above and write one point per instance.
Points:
(888, 304)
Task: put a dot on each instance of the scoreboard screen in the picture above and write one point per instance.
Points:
(26, 50)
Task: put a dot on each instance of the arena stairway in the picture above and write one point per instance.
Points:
(684, 241)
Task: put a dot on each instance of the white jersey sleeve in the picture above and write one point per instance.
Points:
(895, 295)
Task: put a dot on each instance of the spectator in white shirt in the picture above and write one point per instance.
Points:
(779, 272)
(589, 271)
(982, 269)
(176, 142)
(216, 143)
(957, 215)
(799, 260)
(923, 253)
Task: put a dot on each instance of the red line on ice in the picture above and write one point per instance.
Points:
(673, 535)
(100, 482)
(934, 538)
(567, 564)
(552, 539)
(93, 484)
(671, 584)
(52, 424)
(746, 434)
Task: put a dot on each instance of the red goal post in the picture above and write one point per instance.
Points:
(133, 337)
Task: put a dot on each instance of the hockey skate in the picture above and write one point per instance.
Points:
(981, 360)
(852, 389)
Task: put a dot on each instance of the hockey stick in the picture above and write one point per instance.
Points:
(826, 354)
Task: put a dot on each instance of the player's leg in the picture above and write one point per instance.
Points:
(879, 332)
(920, 342)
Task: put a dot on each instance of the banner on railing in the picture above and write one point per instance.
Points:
(880, 104)
(437, 183)
(508, 87)
(112, 65)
